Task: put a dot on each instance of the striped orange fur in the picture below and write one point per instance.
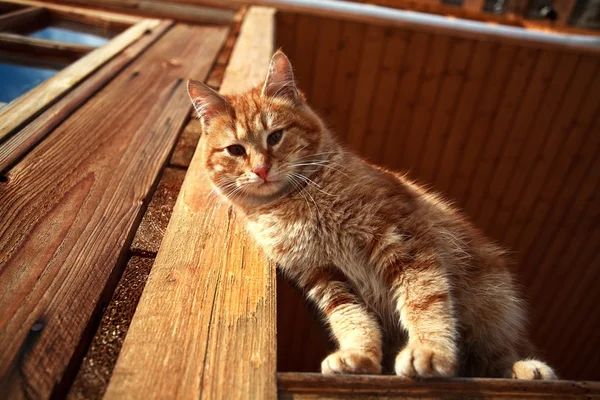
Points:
(390, 264)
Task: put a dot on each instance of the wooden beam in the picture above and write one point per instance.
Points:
(25, 107)
(312, 386)
(205, 325)
(82, 14)
(193, 13)
(68, 52)
(20, 18)
(71, 206)
(19, 144)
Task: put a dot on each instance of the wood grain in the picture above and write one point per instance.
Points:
(317, 386)
(16, 146)
(67, 52)
(210, 299)
(71, 207)
(25, 107)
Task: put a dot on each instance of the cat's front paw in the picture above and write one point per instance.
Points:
(427, 361)
(532, 369)
(351, 362)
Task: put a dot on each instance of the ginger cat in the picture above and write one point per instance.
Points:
(394, 268)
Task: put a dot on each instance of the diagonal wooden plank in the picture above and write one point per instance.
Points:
(205, 325)
(71, 206)
(18, 18)
(18, 144)
(25, 107)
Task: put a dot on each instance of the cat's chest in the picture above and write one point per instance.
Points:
(292, 242)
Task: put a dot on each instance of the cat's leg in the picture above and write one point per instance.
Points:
(355, 329)
(531, 369)
(424, 303)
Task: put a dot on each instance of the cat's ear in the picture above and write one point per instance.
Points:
(280, 80)
(207, 102)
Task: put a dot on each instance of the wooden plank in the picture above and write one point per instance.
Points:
(21, 18)
(437, 65)
(540, 98)
(501, 124)
(71, 207)
(258, 27)
(531, 139)
(93, 376)
(484, 55)
(344, 84)
(564, 9)
(156, 218)
(385, 92)
(25, 107)
(544, 178)
(370, 59)
(480, 125)
(313, 386)
(408, 89)
(93, 17)
(451, 87)
(68, 52)
(324, 63)
(16, 146)
(285, 33)
(210, 298)
(307, 31)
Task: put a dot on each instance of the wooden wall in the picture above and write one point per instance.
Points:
(510, 132)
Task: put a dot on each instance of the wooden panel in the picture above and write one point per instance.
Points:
(384, 93)
(482, 122)
(17, 145)
(451, 85)
(410, 77)
(210, 298)
(306, 33)
(345, 78)
(71, 206)
(316, 386)
(22, 109)
(65, 52)
(370, 59)
(540, 99)
(504, 116)
(21, 18)
(324, 63)
(482, 62)
(436, 66)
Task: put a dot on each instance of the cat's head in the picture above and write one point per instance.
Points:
(260, 145)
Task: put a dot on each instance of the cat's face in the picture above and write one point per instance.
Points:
(259, 145)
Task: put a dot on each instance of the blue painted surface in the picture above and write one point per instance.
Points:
(70, 36)
(18, 79)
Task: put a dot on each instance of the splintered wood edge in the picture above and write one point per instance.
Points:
(305, 385)
(25, 107)
(205, 326)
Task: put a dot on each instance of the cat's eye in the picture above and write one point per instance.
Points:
(274, 137)
(236, 150)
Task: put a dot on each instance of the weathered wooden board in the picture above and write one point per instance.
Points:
(205, 325)
(70, 208)
(317, 386)
(22, 17)
(18, 144)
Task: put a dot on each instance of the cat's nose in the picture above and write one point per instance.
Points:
(262, 171)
